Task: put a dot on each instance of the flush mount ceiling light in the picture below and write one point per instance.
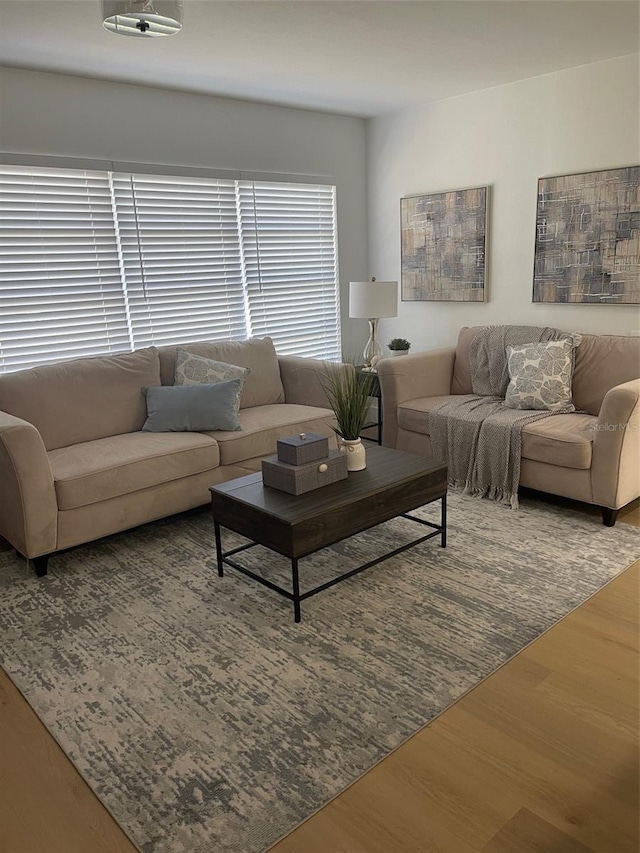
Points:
(142, 18)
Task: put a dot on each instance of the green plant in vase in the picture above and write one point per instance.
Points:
(348, 394)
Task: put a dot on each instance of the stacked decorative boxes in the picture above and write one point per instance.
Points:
(303, 463)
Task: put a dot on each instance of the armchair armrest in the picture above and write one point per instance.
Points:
(28, 505)
(302, 379)
(424, 374)
(615, 466)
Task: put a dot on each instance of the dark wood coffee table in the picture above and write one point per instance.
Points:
(392, 484)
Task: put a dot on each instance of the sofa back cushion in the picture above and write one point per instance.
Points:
(461, 382)
(263, 385)
(83, 399)
(601, 363)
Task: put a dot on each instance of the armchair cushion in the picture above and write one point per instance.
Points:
(414, 414)
(602, 363)
(564, 440)
(461, 383)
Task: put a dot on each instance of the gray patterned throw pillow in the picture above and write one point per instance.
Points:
(540, 376)
(195, 369)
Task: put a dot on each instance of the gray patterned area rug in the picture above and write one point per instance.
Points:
(206, 720)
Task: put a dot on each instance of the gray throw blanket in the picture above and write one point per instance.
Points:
(479, 437)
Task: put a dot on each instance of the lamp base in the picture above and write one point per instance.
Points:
(372, 348)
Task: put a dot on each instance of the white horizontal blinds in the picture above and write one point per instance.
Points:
(180, 258)
(60, 288)
(290, 262)
(96, 262)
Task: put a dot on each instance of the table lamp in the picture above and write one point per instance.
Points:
(371, 300)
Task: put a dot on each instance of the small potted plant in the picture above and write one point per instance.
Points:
(348, 395)
(399, 346)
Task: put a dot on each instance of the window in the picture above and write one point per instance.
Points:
(101, 262)
(60, 289)
(290, 265)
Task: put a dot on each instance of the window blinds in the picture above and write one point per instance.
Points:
(290, 265)
(60, 288)
(100, 262)
(180, 258)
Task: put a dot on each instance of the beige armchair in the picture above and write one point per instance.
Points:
(592, 455)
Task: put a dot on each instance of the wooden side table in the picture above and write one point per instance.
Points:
(374, 392)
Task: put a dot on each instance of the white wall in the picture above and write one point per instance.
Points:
(577, 120)
(580, 119)
(63, 116)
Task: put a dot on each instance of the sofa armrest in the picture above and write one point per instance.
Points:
(424, 374)
(615, 466)
(28, 505)
(302, 379)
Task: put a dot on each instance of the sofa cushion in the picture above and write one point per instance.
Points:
(414, 414)
(263, 385)
(602, 362)
(193, 408)
(94, 471)
(84, 399)
(461, 382)
(262, 426)
(563, 440)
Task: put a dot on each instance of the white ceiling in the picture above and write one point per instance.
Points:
(362, 58)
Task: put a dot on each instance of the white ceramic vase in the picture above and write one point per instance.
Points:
(355, 452)
(395, 352)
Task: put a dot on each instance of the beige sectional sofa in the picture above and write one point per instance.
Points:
(75, 464)
(591, 456)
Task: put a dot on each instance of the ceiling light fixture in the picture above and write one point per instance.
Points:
(142, 18)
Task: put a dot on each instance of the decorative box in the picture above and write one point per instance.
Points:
(298, 479)
(302, 448)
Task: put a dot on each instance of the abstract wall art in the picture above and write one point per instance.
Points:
(444, 246)
(587, 246)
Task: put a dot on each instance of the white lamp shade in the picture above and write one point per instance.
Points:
(373, 299)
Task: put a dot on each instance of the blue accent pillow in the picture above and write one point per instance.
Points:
(193, 408)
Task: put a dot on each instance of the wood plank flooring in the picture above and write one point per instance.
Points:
(542, 756)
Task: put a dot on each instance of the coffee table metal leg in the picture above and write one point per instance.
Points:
(296, 590)
(443, 523)
(216, 528)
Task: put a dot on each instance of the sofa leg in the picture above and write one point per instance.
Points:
(609, 516)
(40, 565)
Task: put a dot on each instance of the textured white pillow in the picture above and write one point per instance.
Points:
(540, 376)
(193, 369)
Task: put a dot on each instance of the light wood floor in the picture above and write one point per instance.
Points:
(542, 757)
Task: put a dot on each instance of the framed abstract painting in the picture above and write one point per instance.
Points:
(587, 246)
(443, 237)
